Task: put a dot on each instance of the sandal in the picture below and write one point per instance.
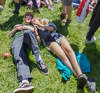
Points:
(66, 21)
(63, 16)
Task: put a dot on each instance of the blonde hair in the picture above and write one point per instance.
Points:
(40, 20)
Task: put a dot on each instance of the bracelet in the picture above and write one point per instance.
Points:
(36, 35)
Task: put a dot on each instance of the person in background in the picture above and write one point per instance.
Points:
(67, 11)
(94, 24)
(23, 39)
(18, 4)
(49, 4)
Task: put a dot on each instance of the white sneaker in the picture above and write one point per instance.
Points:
(93, 39)
(1, 7)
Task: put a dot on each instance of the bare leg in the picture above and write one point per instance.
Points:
(56, 49)
(50, 2)
(64, 9)
(47, 2)
(69, 12)
(70, 53)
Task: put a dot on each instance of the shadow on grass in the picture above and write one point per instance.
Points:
(9, 24)
(93, 55)
(80, 90)
(32, 63)
(61, 27)
(74, 47)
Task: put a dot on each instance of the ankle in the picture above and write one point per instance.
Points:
(25, 80)
(79, 75)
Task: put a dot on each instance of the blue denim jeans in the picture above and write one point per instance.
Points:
(18, 47)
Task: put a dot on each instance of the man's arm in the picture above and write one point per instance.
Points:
(34, 29)
(14, 30)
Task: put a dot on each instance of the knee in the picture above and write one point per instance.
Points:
(27, 32)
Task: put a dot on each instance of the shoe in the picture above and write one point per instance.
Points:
(51, 7)
(63, 16)
(91, 85)
(1, 7)
(14, 11)
(42, 67)
(36, 10)
(66, 21)
(48, 6)
(55, 2)
(24, 88)
(82, 81)
(93, 39)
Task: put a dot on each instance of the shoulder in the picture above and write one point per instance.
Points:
(44, 19)
(50, 23)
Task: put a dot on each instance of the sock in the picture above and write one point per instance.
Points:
(25, 80)
(79, 75)
(38, 57)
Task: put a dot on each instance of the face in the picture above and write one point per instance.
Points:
(35, 21)
(28, 19)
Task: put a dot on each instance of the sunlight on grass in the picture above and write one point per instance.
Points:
(51, 83)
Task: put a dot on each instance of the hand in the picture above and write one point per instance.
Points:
(23, 27)
(35, 29)
(19, 28)
(14, 30)
(19, 25)
(11, 34)
(37, 23)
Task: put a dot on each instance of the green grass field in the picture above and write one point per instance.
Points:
(53, 82)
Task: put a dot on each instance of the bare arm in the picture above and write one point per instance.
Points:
(46, 27)
(29, 27)
(49, 28)
(12, 32)
(34, 29)
(18, 27)
(36, 34)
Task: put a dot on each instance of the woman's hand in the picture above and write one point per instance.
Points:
(37, 23)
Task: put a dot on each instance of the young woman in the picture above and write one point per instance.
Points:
(45, 31)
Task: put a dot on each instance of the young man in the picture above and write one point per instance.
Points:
(22, 39)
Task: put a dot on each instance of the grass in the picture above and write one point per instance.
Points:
(53, 82)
